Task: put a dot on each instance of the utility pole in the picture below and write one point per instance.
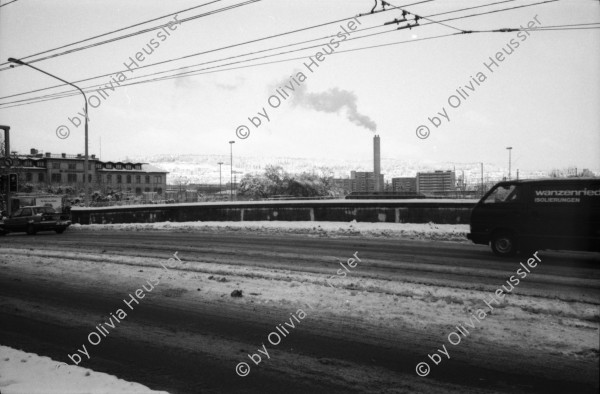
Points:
(220, 164)
(482, 191)
(6, 156)
(509, 160)
(231, 173)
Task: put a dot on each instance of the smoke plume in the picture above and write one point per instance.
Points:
(333, 100)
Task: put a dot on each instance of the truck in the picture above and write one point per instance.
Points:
(48, 200)
(528, 215)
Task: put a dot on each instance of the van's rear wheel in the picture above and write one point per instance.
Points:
(504, 244)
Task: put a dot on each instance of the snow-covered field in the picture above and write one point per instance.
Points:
(28, 373)
(430, 231)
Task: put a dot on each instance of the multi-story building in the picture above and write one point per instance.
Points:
(404, 184)
(365, 181)
(359, 181)
(47, 170)
(431, 183)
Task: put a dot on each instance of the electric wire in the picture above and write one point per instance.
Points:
(471, 8)
(141, 23)
(114, 31)
(220, 69)
(138, 32)
(2, 5)
(204, 70)
(502, 10)
(239, 44)
(214, 50)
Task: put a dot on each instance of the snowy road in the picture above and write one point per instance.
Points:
(365, 335)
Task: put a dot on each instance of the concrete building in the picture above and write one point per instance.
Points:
(404, 184)
(44, 170)
(365, 181)
(431, 183)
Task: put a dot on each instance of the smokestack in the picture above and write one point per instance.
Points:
(376, 162)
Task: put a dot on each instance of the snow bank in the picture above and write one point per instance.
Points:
(28, 373)
(430, 231)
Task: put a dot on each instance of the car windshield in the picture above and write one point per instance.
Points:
(503, 194)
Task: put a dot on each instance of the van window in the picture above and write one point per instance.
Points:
(503, 194)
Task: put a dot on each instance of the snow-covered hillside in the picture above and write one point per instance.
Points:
(205, 168)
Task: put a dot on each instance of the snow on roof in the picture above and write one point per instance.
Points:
(151, 168)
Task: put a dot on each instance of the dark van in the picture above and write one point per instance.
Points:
(528, 215)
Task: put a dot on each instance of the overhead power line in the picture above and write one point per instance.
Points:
(215, 69)
(502, 10)
(138, 32)
(471, 8)
(212, 51)
(204, 70)
(114, 31)
(222, 59)
(240, 44)
(578, 26)
(141, 23)
(210, 70)
(2, 5)
(221, 67)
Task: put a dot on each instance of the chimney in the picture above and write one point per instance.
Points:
(33, 151)
(48, 154)
(63, 155)
(376, 162)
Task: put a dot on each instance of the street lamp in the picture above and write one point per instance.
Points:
(6, 154)
(509, 160)
(231, 175)
(220, 164)
(85, 160)
(482, 179)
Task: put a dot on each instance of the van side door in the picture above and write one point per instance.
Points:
(561, 214)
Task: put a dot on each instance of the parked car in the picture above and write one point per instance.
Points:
(33, 219)
(530, 215)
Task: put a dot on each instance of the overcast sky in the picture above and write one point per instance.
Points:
(542, 100)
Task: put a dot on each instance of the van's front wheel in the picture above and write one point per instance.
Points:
(504, 244)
